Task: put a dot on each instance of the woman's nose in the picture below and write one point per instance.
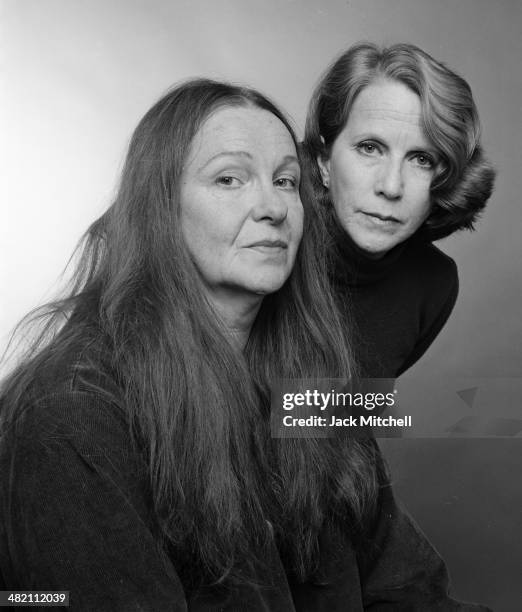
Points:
(270, 205)
(390, 180)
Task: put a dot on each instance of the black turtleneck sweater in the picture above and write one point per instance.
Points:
(395, 305)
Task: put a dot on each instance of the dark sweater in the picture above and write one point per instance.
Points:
(75, 515)
(396, 305)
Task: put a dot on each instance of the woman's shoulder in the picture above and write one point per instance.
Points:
(433, 269)
(63, 432)
(429, 258)
(74, 495)
(63, 411)
(73, 400)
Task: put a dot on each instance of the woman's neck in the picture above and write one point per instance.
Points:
(237, 313)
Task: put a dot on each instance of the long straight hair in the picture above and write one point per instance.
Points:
(197, 408)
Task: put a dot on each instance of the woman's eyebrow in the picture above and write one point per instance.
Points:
(232, 153)
(362, 136)
(287, 159)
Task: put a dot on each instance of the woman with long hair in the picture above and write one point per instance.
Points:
(393, 153)
(137, 470)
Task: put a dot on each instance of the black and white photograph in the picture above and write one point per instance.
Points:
(260, 305)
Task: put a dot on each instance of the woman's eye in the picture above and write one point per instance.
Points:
(286, 182)
(368, 148)
(424, 160)
(228, 181)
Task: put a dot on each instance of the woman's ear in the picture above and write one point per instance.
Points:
(324, 169)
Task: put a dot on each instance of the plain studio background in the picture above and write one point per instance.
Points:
(77, 77)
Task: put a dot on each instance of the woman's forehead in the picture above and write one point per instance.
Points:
(248, 129)
(388, 107)
(390, 98)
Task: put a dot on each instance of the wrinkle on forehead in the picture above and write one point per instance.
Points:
(387, 105)
(245, 126)
(386, 113)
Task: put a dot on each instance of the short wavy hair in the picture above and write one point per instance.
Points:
(464, 179)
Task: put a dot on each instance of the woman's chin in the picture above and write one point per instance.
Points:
(374, 245)
(265, 285)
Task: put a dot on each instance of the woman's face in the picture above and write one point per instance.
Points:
(241, 214)
(380, 168)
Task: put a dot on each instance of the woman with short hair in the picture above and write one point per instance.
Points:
(393, 154)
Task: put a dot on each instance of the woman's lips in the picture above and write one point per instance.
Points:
(270, 243)
(269, 247)
(379, 219)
